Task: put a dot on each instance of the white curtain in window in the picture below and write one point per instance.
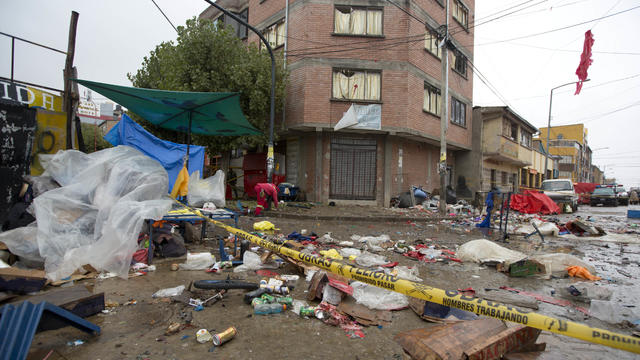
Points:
(358, 22)
(280, 34)
(435, 103)
(373, 86)
(374, 22)
(426, 102)
(342, 22)
(357, 86)
(340, 85)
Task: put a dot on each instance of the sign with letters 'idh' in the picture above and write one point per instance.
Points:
(30, 96)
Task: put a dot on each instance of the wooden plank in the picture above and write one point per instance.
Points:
(21, 281)
(510, 340)
(505, 296)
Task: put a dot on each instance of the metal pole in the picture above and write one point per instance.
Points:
(444, 117)
(546, 158)
(13, 46)
(270, 159)
(189, 141)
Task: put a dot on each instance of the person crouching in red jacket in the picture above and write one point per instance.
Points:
(266, 193)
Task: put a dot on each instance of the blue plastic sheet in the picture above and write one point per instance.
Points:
(167, 153)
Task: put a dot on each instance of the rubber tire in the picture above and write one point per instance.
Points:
(225, 284)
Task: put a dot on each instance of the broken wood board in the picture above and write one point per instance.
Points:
(439, 313)
(448, 342)
(21, 280)
(364, 315)
(515, 338)
(505, 296)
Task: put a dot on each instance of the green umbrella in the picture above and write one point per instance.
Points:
(203, 113)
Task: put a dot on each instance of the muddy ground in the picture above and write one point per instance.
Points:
(137, 331)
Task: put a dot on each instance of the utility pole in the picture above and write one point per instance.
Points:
(444, 116)
(68, 73)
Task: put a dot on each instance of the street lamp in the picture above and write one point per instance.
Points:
(546, 157)
(270, 159)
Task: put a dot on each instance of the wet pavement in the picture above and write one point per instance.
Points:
(137, 331)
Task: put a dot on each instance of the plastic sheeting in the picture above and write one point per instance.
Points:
(211, 189)
(483, 251)
(169, 154)
(533, 202)
(97, 214)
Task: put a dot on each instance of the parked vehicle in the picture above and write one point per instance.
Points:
(562, 192)
(604, 196)
(622, 195)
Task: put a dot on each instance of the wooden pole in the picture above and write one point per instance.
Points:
(68, 72)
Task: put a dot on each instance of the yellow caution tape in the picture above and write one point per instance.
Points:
(450, 298)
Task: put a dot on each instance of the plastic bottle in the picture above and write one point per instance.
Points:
(264, 309)
(268, 298)
(287, 300)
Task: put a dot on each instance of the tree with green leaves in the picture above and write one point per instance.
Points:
(208, 57)
(93, 138)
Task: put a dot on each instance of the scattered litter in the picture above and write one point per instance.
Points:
(203, 336)
(579, 271)
(485, 251)
(75, 343)
(198, 261)
(168, 292)
(368, 259)
(376, 298)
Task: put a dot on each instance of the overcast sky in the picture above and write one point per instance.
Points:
(114, 36)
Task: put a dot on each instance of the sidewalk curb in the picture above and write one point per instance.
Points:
(384, 218)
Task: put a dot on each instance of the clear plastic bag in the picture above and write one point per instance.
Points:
(376, 298)
(168, 292)
(198, 261)
(346, 252)
(23, 243)
(368, 259)
(211, 189)
(96, 216)
(251, 261)
(407, 273)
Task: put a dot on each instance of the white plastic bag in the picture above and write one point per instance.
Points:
(331, 295)
(211, 189)
(251, 261)
(407, 273)
(23, 243)
(198, 261)
(168, 292)
(346, 252)
(376, 298)
(368, 259)
(482, 251)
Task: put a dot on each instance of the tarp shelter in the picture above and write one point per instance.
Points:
(204, 113)
(167, 153)
(533, 202)
(584, 188)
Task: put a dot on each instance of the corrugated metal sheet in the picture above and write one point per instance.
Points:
(353, 168)
(18, 326)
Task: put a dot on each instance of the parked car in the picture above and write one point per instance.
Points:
(561, 191)
(604, 196)
(622, 195)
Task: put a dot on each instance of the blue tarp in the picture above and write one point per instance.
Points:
(169, 154)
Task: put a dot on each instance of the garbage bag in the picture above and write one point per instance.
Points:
(482, 251)
(559, 262)
(211, 189)
(23, 243)
(97, 214)
(198, 261)
(168, 292)
(376, 298)
(251, 261)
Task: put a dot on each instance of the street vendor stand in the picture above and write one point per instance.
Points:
(203, 113)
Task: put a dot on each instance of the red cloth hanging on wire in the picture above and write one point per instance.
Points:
(585, 60)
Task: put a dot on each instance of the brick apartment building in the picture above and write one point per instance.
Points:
(366, 52)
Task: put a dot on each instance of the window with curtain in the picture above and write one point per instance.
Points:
(525, 138)
(461, 13)
(357, 21)
(458, 112)
(356, 84)
(274, 35)
(431, 43)
(459, 62)
(432, 99)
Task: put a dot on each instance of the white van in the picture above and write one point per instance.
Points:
(561, 191)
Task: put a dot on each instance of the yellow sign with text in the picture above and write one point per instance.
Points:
(51, 136)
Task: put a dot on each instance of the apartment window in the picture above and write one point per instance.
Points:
(238, 29)
(565, 174)
(458, 112)
(566, 159)
(356, 84)
(358, 21)
(432, 99)
(525, 138)
(431, 43)
(461, 13)
(459, 63)
(274, 35)
(523, 177)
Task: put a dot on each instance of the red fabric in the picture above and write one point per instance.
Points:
(584, 188)
(585, 60)
(533, 202)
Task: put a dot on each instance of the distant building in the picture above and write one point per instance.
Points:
(570, 143)
(598, 175)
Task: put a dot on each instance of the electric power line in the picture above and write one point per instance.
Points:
(559, 29)
(165, 16)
